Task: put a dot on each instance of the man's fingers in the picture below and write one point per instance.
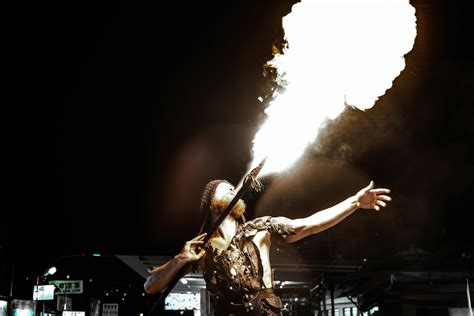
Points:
(384, 197)
(381, 203)
(380, 190)
(201, 253)
(370, 186)
(187, 246)
(191, 244)
(377, 208)
(195, 242)
(200, 237)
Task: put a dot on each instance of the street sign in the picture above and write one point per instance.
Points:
(68, 286)
(73, 313)
(43, 292)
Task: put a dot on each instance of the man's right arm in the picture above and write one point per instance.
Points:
(159, 278)
(366, 198)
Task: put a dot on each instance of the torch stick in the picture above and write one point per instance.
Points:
(249, 183)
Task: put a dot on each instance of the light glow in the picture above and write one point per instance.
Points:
(50, 271)
(340, 53)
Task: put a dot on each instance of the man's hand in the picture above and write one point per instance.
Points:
(188, 253)
(370, 198)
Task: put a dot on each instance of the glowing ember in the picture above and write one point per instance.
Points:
(339, 53)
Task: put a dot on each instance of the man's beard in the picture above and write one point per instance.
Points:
(238, 210)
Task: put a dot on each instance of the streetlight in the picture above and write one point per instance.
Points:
(50, 271)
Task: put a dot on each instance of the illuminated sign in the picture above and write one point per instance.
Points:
(23, 308)
(183, 301)
(72, 313)
(3, 308)
(68, 286)
(43, 292)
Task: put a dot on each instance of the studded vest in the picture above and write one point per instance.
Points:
(236, 274)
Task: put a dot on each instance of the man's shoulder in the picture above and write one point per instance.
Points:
(279, 225)
(261, 218)
(269, 218)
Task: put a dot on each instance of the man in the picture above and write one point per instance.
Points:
(235, 262)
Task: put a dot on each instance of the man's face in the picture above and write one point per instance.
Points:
(223, 196)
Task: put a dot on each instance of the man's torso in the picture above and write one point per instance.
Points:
(238, 273)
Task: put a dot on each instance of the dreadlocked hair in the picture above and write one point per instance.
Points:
(206, 200)
(208, 193)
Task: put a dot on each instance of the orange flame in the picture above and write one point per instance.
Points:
(339, 53)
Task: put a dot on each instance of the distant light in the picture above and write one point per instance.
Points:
(106, 293)
(124, 294)
(50, 271)
(67, 276)
(96, 254)
(143, 294)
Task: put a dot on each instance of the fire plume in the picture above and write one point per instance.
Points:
(339, 53)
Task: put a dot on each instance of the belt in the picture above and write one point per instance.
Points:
(262, 302)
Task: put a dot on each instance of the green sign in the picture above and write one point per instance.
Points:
(67, 286)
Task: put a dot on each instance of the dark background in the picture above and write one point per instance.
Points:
(126, 109)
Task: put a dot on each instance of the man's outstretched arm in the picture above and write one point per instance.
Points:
(159, 278)
(367, 198)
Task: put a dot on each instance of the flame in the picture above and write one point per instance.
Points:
(339, 53)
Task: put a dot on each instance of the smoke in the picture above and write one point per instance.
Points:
(338, 53)
(316, 184)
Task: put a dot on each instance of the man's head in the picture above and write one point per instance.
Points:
(216, 196)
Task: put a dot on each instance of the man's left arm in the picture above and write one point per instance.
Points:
(367, 198)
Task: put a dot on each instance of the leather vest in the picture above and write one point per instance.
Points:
(235, 276)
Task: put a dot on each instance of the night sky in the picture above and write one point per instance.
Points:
(147, 101)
